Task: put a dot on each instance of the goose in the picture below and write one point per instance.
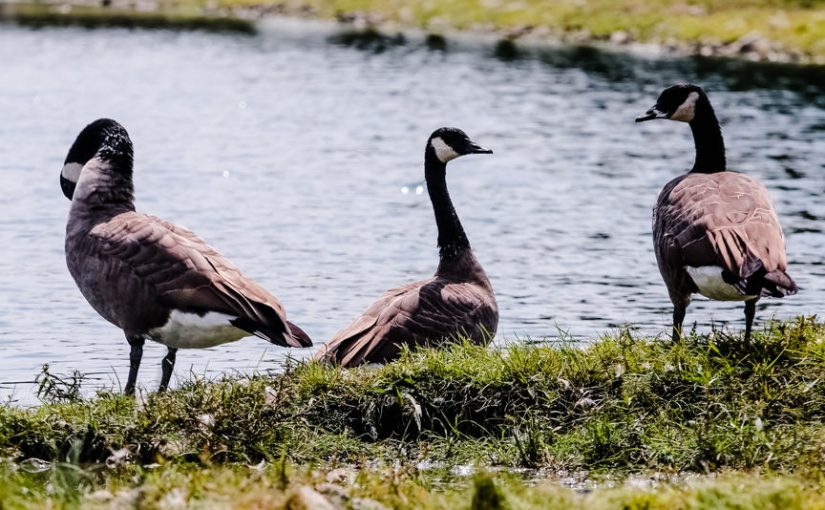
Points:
(458, 301)
(151, 278)
(715, 232)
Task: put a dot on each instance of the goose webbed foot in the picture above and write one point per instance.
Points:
(167, 365)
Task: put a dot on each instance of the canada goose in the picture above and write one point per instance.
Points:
(147, 276)
(457, 301)
(714, 232)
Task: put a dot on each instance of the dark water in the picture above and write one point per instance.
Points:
(289, 151)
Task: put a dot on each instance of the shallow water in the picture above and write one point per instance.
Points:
(290, 152)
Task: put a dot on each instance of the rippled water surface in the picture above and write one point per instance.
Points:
(290, 152)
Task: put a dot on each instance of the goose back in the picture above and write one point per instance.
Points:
(722, 219)
(457, 302)
(136, 269)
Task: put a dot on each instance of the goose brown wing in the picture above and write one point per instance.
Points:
(724, 219)
(361, 332)
(188, 274)
(414, 315)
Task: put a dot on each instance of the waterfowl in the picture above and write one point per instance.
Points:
(458, 301)
(153, 279)
(715, 232)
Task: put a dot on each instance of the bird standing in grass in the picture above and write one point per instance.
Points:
(715, 232)
(151, 278)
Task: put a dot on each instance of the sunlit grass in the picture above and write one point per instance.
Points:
(793, 25)
(770, 27)
(620, 406)
(278, 486)
(92, 16)
(622, 402)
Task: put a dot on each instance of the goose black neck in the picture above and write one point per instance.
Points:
(119, 194)
(452, 241)
(707, 136)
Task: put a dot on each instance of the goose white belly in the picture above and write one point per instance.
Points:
(192, 331)
(709, 281)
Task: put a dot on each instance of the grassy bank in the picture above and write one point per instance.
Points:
(784, 30)
(92, 16)
(409, 432)
(755, 29)
(272, 487)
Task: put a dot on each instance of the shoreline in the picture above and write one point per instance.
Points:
(240, 16)
(624, 422)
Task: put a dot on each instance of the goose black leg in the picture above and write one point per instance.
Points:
(750, 312)
(135, 355)
(167, 365)
(678, 319)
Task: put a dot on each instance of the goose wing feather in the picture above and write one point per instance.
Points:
(188, 274)
(416, 314)
(724, 219)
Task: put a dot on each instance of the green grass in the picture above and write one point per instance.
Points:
(622, 406)
(791, 26)
(277, 487)
(777, 29)
(90, 16)
(622, 402)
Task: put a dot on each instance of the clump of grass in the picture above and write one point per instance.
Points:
(52, 388)
(401, 434)
(260, 487)
(486, 496)
(621, 403)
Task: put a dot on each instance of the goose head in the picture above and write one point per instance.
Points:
(677, 102)
(103, 138)
(447, 144)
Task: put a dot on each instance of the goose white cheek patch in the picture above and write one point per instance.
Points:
(686, 110)
(443, 151)
(71, 171)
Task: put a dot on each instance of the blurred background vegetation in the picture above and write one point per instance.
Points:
(787, 30)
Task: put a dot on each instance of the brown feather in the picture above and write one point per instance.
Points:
(457, 302)
(159, 267)
(723, 219)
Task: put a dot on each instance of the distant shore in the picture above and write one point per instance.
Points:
(622, 422)
(790, 31)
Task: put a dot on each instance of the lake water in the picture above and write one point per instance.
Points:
(291, 151)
